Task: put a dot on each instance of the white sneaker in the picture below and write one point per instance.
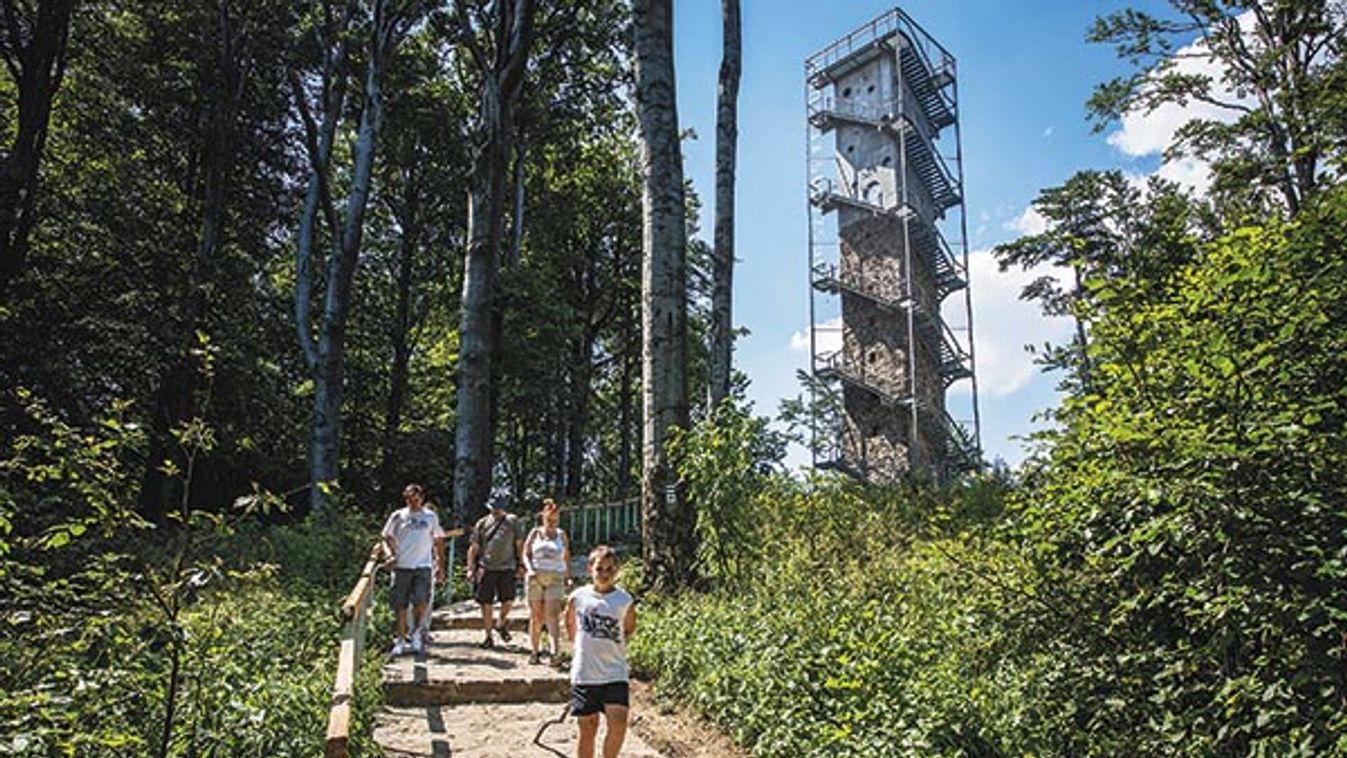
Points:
(418, 642)
(399, 647)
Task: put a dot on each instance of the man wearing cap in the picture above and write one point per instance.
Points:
(495, 562)
(414, 539)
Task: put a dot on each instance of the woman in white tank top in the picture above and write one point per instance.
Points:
(547, 556)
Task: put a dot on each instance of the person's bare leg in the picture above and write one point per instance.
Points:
(402, 623)
(589, 728)
(486, 619)
(552, 612)
(421, 610)
(616, 716)
(535, 624)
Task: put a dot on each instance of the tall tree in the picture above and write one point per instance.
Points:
(496, 38)
(1278, 77)
(384, 23)
(668, 524)
(33, 45)
(1099, 226)
(722, 267)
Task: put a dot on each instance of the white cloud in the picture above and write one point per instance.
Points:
(1047, 132)
(1150, 133)
(1003, 324)
(828, 334)
(1029, 222)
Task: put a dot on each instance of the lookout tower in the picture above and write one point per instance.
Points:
(888, 257)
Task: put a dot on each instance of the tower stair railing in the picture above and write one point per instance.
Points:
(832, 366)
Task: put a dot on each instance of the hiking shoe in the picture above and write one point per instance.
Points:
(504, 632)
(418, 642)
(399, 647)
(535, 658)
(486, 644)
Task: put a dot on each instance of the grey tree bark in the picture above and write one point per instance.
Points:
(668, 535)
(500, 63)
(326, 358)
(33, 46)
(722, 256)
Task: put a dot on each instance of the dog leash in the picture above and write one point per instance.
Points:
(538, 738)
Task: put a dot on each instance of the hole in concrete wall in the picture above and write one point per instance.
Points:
(846, 92)
(871, 88)
(888, 160)
(872, 356)
(851, 149)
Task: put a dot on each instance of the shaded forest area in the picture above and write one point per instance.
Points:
(176, 184)
(260, 261)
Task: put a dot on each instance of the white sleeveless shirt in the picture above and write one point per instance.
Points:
(546, 554)
(600, 647)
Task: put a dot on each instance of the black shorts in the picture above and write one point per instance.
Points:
(587, 699)
(410, 586)
(495, 586)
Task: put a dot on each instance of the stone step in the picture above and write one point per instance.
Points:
(467, 614)
(484, 730)
(453, 669)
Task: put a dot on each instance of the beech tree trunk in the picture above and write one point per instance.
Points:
(722, 256)
(408, 214)
(34, 51)
(502, 75)
(327, 358)
(668, 527)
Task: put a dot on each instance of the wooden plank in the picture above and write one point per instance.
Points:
(338, 731)
(346, 665)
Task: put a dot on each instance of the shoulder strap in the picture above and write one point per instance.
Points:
(494, 530)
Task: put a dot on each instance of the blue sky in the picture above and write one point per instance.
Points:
(1025, 72)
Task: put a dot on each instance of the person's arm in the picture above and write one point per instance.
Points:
(441, 570)
(565, 550)
(390, 542)
(629, 622)
(528, 554)
(473, 550)
(518, 554)
(570, 619)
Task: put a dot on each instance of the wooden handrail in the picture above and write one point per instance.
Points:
(353, 612)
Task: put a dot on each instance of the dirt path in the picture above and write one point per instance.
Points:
(457, 700)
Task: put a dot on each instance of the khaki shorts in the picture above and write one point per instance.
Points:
(546, 586)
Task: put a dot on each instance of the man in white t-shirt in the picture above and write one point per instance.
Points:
(600, 619)
(415, 540)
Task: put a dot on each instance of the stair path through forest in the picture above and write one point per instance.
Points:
(457, 700)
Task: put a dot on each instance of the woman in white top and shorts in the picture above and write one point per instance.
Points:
(547, 557)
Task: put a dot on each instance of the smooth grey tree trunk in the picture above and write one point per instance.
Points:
(408, 213)
(327, 357)
(502, 74)
(34, 48)
(668, 534)
(722, 256)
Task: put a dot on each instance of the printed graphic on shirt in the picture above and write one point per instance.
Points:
(600, 626)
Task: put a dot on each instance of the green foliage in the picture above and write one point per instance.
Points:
(1189, 513)
(853, 635)
(725, 461)
(114, 630)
